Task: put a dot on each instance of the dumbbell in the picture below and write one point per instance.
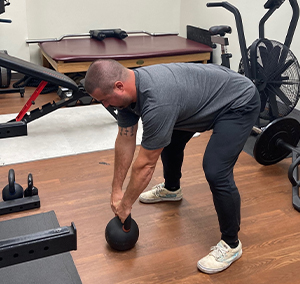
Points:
(276, 141)
(122, 236)
(12, 190)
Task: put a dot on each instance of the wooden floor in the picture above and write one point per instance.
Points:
(173, 236)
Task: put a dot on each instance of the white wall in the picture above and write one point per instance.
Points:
(14, 35)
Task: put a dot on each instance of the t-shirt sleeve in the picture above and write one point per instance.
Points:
(158, 125)
(127, 118)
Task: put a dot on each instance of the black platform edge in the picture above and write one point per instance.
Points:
(20, 204)
(13, 129)
(37, 245)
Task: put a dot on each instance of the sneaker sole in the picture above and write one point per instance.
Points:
(143, 200)
(212, 271)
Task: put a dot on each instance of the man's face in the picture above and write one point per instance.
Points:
(117, 98)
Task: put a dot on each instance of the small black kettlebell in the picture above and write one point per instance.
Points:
(122, 236)
(13, 190)
(31, 189)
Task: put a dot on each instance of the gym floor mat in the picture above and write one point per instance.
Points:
(58, 269)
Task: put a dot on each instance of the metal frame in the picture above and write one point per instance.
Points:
(19, 204)
(293, 175)
(37, 245)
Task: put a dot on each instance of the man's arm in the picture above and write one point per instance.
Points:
(124, 150)
(142, 171)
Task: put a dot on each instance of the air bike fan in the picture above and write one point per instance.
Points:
(276, 76)
(274, 68)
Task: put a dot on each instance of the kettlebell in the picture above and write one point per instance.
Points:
(31, 189)
(122, 236)
(13, 190)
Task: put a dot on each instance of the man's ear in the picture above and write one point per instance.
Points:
(119, 85)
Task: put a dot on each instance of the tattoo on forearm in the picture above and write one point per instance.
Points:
(126, 131)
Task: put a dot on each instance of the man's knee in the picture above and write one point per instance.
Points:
(218, 177)
(212, 173)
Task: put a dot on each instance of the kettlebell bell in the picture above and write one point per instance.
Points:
(31, 189)
(13, 190)
(122, 236)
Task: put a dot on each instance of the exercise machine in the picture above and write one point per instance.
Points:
(271, 65)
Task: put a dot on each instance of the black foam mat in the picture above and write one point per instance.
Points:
(56, 269)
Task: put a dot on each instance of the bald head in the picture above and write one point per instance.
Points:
(103, 74)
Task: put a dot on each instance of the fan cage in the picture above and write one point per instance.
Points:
(277, 78)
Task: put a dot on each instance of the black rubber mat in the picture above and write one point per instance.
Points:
(58, 269)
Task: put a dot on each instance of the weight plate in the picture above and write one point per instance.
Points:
(266, 151)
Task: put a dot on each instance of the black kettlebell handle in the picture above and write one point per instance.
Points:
(127, 224)
(30, 182)
(11, 181)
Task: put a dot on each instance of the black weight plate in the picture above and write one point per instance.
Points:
(265, 151)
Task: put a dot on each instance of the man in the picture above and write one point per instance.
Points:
(174, 101)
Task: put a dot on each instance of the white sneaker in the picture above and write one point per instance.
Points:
(159, 193)
(220, 258)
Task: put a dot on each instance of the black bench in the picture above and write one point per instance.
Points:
(18, 126)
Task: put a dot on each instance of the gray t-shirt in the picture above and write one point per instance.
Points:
(183, 96)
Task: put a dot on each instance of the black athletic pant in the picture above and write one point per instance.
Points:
(230, 133)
